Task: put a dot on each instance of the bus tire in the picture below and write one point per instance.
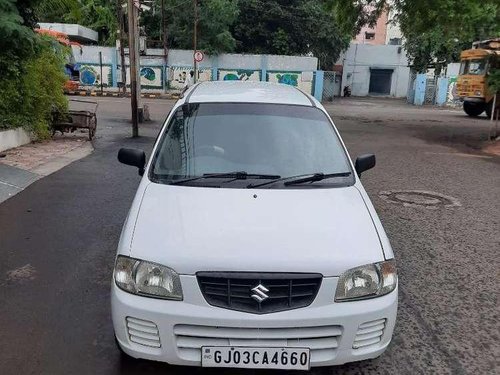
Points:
(473, 109)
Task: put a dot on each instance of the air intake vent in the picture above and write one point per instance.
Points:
(143, 332)
(369, 333)
(259, 293)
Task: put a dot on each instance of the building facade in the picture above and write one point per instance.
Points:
(385, 31)
(375, 70)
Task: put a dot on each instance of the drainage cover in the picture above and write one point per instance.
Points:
(419, 198)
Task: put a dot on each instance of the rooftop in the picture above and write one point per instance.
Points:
(247, 92)
(75, 32)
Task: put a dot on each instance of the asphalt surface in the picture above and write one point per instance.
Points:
(58, 239)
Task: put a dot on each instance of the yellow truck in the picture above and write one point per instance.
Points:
(472, 85)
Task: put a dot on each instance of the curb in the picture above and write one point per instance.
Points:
(121, 95)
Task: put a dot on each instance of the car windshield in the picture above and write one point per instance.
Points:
(473, 67)
(265, 140)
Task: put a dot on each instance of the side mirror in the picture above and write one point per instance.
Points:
(133, 157)
(364, 163)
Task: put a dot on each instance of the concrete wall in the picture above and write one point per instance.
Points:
(13, 138)
(359, 59)
(452, 71)
(158, 75)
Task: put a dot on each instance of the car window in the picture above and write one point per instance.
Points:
(281, 140)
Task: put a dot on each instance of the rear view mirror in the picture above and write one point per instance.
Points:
(364, 163)
(133, 157)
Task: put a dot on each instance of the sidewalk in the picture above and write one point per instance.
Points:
(21, 166)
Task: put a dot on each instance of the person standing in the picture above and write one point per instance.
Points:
(188, 82)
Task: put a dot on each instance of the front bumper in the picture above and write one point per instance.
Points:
(175, 331)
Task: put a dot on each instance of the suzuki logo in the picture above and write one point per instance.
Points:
(260, 293)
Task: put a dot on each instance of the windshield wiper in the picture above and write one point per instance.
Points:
(316, 177)
(235, 175)
(313, 177)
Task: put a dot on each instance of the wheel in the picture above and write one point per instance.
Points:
(473, 109)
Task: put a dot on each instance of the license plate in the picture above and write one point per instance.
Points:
(242, 357)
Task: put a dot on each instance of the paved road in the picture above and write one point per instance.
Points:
(58, 239)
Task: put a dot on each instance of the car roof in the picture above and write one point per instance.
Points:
(247, 92)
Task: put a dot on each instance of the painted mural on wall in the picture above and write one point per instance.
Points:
(90, 75)
(151, 77)
(239, 75)
(452, 98)
(301, 80)
(177, 76)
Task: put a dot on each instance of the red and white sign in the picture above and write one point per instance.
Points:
(198, 56)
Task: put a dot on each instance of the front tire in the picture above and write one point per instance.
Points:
(473, 109)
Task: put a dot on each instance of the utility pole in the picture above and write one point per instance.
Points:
(195, 40)
(164, 36)
(133, 47)
(164, 30)
(122, 45)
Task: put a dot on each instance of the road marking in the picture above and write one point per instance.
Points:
(460, 154)
(24, 273)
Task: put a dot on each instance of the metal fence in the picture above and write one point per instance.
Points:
(431, 90)
(331, 85)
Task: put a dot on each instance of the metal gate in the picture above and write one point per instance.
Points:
(331, 85)
(380, 81)
(430, 90)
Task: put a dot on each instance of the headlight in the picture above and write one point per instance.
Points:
(371, 280)
(146, 278)
(478, 93)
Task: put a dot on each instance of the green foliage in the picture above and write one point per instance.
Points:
(215, 18)
(296, 27)
(34, 88)
(16, 40)
(436, 31)
(352, 15)
(494, 81)
(99, 15)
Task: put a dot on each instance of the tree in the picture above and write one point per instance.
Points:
(290, 27)
(436, 31)
(32, 66)
(99, 15)
(16, 39)
(352, 15)
(215, 19)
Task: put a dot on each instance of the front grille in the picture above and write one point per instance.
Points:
(143, 332)
(275, 291)
(321, 340)
(369, 333)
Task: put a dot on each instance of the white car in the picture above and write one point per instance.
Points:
(251, 241)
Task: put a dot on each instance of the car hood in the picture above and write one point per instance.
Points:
(193, 229)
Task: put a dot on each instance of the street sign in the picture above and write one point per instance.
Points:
(198, 56)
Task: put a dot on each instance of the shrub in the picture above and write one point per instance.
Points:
(33, 89)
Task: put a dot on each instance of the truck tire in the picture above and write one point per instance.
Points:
(473, 109)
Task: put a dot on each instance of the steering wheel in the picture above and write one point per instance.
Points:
(210, 150)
